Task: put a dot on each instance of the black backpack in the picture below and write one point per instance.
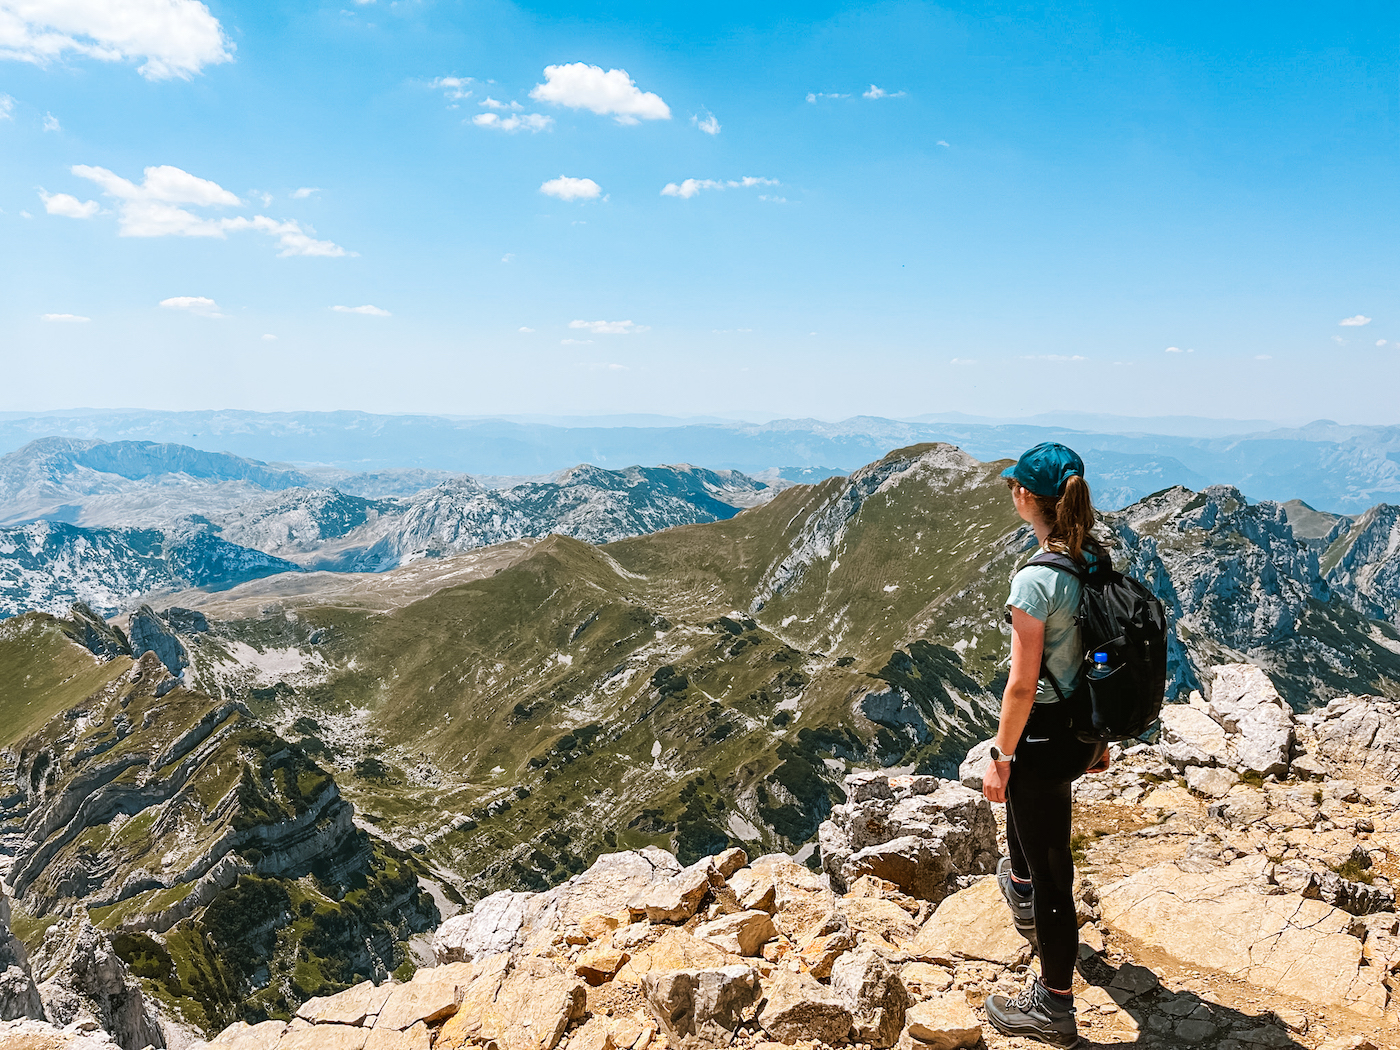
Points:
(1123, 627)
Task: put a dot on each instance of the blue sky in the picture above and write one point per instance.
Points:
(986, 208)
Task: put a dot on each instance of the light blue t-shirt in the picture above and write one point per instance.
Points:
(1052, 596)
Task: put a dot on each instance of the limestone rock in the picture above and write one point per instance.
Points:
(730, 861)
(419, 1037)
(876, 917)
(1364, 731)
(1211, 781)
(925, 980)
(867, 785)
(678, 897)
(91, 979)
(533, 1007)
(674, 950)
(1260, 724)
(150, 634)
(431, 996)
(943, 1023)
(874, 994)
(242, 1036)
(974, 923)
(600, 964)
(819, 954)
(1191, 737)
(358, 1005)
(797, 1008)
(742, 933)
(700, 1008)
(1281, 943)
(492, 926)
(975, 764)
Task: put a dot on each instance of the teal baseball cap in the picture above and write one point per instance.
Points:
(1045, 468)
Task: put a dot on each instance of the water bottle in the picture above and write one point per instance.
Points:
(1100, 669)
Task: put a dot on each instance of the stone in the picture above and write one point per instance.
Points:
(1363, 731)
(1134, 979)
(819, 954)
(924, 980)
(874, 994)
(754, 887)
(743, 933)
(600, 964)
(358, 1005)
(595, 1034)
(530, 1009)
(700, 1008)
(674, 950)
(974, 923)
(419, 1037)
(797, 1008)
(876, 917)
(1307, 767)
(1211, 781)
(242, 1036)
(1244, 701)
(597, 924)
(678, 897)
(920, 867)
(1281, 943)
(867, 785)
(1190, 737)
(943, 1023)
(493, 925)
(730, 861)
(324, 1037)
(431, 996)
(975, 764)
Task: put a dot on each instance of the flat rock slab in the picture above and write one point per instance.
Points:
(974, 923)
(742, 933)
(431, 996)
(419, 1037)
(945, 1022)
(324, 1037)
(675, 950)
(242, 1036)
(879, 918)
(1280, 943)
(358, 1005)
(797, 1008)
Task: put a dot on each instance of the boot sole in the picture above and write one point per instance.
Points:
(1053, 1038)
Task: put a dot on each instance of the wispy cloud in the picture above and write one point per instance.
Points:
(817, 96)
(455, 89)
(606, 366)
(575, 342)
(610, 327)
(66, 318)
(268, 337)
(7, 107)
(527, 330)
(578, 85)
(1380, 342)
(514, 122)
(1354, 322)
(1178, 350)
(568, 188)
(366, 310)
(1053, 357)
(708, 124)
(302, 192)
(963, 361)
(1263, 357)
(690, 187)
(942, 143)
(171, 38)
(879, 92)
(152, 209)
(199, 305)
(51, 123)
(69, 206)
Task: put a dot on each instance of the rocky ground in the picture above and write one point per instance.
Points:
(1235, 891)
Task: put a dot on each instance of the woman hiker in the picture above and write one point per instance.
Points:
(1036, 756)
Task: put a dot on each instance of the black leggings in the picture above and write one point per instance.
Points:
(1049, 758)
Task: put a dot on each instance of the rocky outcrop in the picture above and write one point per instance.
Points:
(18, 995)
(1360, 731)
(1367, 570)
(94, 984)
(918, 832)
(151, 634)
(1245, 726)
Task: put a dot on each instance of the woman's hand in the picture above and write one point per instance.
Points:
(1101, 765)
(994, 780)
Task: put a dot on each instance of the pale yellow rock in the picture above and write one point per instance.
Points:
(742, 933)
(595, 1034)
(599, 964)
(324, 1037)
(419, 1037)
(357, 1005)
(925, 980)
(674, 950)
(243, 1036)
(944, 1022)
(431, 996)
(533, 1007)
(878, 917)
(597, 924)
(819, 954)
(974, 923)
(730, 861)
(882, 889)
(1281, 943)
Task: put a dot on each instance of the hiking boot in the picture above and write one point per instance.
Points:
(1022, 908)
(1035, 1014)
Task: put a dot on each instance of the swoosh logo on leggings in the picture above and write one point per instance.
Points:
(1037, 740)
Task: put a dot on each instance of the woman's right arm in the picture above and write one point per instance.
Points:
(1027, 646)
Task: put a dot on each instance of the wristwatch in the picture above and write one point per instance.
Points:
(999, 756)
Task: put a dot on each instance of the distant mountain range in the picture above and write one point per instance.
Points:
(1343, 469)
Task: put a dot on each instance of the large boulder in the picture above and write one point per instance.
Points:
(974, 923)
(1362, 731)
(492, 926)
(700, 1008)
(1190, 737)
(943, 1023)
(1258, 722)
(797, 1008)
(742, 933)
(874, 994)
(1216, 919)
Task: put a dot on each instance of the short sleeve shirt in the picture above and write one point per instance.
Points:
(1052, 597)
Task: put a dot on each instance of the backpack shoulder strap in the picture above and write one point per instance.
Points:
(1063, 562)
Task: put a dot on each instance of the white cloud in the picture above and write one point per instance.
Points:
(299, 194)
(528, 331)
(1174, 350)
(455, 88)
(610, 327)
(567, 188)
(1339, 340)
(199, 305)
(942, 143)
(1354, 322)
(514, 122)
(708, 124)
(173, 38)
(606, 366)
(1053, 357)
(69, 206)
(150, 210)
(51, 123)
(268, 337)
(491, 103)
(67, 318)
(7, 107)
(1263, 357)
(690, 187)
(963, 361)
(581, 86)
(1380, 342)
(508, 257)
(366, 310)
(813, 96)
(575, 342)
(879, 92)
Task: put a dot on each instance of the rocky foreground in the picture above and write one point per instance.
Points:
(1235, 891)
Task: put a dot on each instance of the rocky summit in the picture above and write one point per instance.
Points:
(709, 786)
